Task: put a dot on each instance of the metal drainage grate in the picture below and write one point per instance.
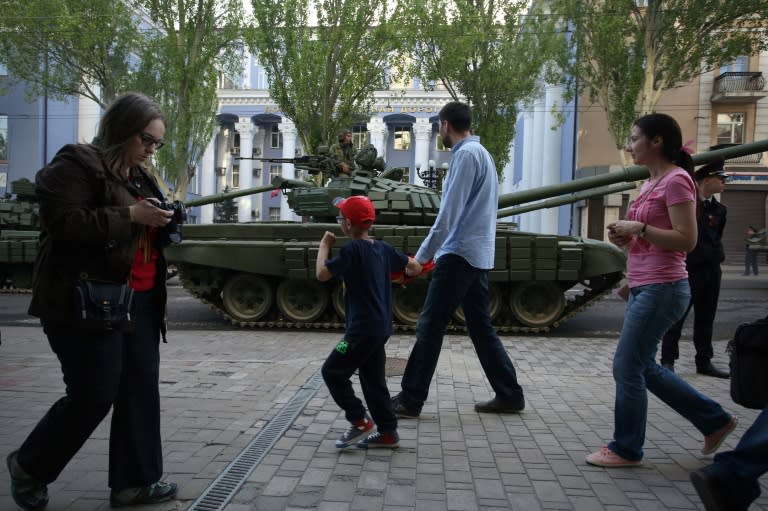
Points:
(221, 490)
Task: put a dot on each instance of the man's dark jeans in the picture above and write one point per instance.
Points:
(455, 282)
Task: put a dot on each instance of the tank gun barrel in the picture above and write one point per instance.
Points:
(312, 163)
(559, 201)
(627, 174)
(277, 183)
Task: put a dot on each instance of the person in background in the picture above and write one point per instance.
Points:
(704, 273)
(750, 256)
(344, 152)
(366, 266)
(461, 242)
(731, 482)
(660, 229)
(101, 222)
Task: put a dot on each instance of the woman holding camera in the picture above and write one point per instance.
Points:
(101, 239)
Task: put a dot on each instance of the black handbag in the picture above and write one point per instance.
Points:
(748, 360)
(103, 305)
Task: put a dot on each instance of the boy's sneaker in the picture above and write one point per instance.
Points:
(355, 433)
(403, 411)
(388, 440)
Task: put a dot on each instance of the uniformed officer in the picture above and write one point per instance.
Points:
(703, 264)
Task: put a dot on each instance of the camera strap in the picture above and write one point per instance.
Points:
(140, 185)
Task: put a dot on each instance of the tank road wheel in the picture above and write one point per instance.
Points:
(337, 298)
(407, 302)
(494, 304)
(537, 304)
(302, 301)
(247, 297)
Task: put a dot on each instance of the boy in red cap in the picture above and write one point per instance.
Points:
(366, 265)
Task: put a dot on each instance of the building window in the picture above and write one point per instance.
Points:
(402, 140)
(235, 176)
(274, 171)
(359, 136)
(730, 128)
(274, 214)
(276, 138)
(3, 138)
(236, 144)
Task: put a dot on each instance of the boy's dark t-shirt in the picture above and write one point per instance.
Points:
(366, 268)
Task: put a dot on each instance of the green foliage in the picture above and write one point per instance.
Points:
(492, 52)
(324, 59)
(67, 47)
(225, 212)
(627, 56)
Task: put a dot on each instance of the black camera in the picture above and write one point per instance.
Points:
(173, 228)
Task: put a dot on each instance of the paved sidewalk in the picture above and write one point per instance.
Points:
(220, 390)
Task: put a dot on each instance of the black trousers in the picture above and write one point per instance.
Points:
(101, 371)
(367, 355)
(705, 292)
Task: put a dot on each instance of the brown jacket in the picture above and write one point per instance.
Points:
(86, 232)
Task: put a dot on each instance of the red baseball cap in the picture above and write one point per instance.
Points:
(358, 209)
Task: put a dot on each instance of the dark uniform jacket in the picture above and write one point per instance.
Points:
(86, 232)
(709, 247)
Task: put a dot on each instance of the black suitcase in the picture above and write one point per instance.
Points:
(749, 364)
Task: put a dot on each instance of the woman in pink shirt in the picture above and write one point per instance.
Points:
(660, 229)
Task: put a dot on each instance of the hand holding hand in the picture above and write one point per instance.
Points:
(413, 267)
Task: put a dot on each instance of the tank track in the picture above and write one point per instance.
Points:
(573, 307)
(9, 290)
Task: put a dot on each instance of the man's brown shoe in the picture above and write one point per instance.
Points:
(497, 405)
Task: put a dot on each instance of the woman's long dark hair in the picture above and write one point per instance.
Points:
(664, 126)
(125, 117)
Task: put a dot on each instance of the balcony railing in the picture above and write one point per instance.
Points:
(738, 87)
(746, 81)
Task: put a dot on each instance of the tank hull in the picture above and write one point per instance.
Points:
(263, 275)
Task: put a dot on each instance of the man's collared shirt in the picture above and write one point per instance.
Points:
(466, 223)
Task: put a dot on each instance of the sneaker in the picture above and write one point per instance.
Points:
(712, 442)
(155, 493)
(403, 411)
(27, 492)
(609, 459)
(388, 440)
(355, 433)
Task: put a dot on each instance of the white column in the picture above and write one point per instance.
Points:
(527, 180)
(288, 130)
(553, 141)
(257, 201)
(245, 128)
(208, 179)
(378, 131)
(539, 127)
(88, 114)
(422, 132)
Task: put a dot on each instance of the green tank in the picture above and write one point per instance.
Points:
(263, 274)
(19, 233)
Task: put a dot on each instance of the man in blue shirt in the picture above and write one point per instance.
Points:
(462, 242)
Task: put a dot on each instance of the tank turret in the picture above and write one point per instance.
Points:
(19, 232)
(263, 274)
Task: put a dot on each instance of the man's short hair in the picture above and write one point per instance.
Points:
(458, 115)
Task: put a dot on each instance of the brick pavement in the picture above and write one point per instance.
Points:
(221, 388)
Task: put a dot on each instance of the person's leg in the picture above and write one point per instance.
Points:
(448, 286)
(670, 342)
(490, 351)
(651, 310)
(731, 482)
(705, 292)
(337, 370)
(135, 446)
(373, 382)
(91, 364)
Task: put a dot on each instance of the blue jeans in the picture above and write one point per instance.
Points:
(740, 468)
(651, 310)
(455, 282)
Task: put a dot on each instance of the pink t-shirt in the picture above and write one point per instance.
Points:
(647, 263)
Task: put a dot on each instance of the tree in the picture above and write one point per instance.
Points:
(491, 52)
(626, 56)
(324, 72)
(66, 48)
(180, 67)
